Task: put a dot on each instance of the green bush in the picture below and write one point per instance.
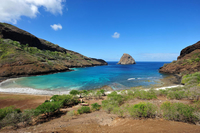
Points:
(191, 80)
(108, 105)
(178, 112)
(11, 119)
(7, 110)
(102, 92)
(26, 116)
(84, 109)
(47, 108)
(95, 106)
(115, 98)
(162, 92)
(146, 95)
(74, 92)
(145, 110)
(119, 111)
(194, 93)
(65, 100)
(176, 95)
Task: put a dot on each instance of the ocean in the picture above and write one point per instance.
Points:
(116, 76)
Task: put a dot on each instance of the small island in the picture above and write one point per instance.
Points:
(126, 59)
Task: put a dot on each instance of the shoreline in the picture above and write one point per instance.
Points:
(166, 82)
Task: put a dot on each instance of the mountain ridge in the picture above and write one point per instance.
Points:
(23, 54)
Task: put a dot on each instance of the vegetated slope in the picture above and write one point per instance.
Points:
(187, 62)
(21, 53)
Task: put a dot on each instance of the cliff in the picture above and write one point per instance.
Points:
(22, 54)
(188, 61)
(126, 59)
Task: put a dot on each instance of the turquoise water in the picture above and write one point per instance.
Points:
(116, 76)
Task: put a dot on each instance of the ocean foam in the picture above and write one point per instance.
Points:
(26, 90)
(131, 79)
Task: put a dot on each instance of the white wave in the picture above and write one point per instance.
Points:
(131, 79)
(32, 91)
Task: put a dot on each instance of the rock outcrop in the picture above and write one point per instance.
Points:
(188, 61)
(23, 54)
(126, 59)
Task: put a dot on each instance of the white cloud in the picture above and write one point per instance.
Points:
(12, 10)
(116, 35)
(56, 26)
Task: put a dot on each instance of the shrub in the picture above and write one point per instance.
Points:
(119, 111)
(162, 92)
(7, 110)
(47, 108)
(26, 116)
(115, 98)
(194, 93)
(11, 119)
(146, 110)
(65, 100)
(102, 92)
(108, 105)
(95, 106)
(176, 95)
(74, 92)
(84, 109)
(141, 94)
(178, 112)
(98, 94)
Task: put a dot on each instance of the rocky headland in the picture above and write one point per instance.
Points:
(188, 62)
(126, 59)
(23, 54)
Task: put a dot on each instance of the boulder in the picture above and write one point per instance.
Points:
(126, 59)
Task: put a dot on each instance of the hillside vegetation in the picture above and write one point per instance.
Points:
(21, 53)
(188, 62)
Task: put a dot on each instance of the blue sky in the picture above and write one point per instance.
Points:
(149, 30)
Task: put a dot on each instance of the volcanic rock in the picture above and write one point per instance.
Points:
(126, 59)
(187, 62)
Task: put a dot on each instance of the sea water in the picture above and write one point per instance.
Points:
(114, 75)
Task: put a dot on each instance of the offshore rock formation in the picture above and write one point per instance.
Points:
(126, 59)
(188, 61)
(23, 54)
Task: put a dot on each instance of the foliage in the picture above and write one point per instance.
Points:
(176, 95)
(7, 110)
(65, 100)
(178, 112)
(74, 92)
(194, 93)
(102, 92)
(47, 108)
(95, 106)
(26, 116)
(115, 98)
(119, 111)
(11, 119)
(191, 80)
(142, 109)
(141, 94)
(108, 105)
(84, 109)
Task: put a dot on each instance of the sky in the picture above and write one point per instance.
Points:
(148, 30)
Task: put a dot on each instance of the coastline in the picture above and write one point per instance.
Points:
(166, 82)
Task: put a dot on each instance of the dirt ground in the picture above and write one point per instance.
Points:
(22, 101)
(96, 122)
